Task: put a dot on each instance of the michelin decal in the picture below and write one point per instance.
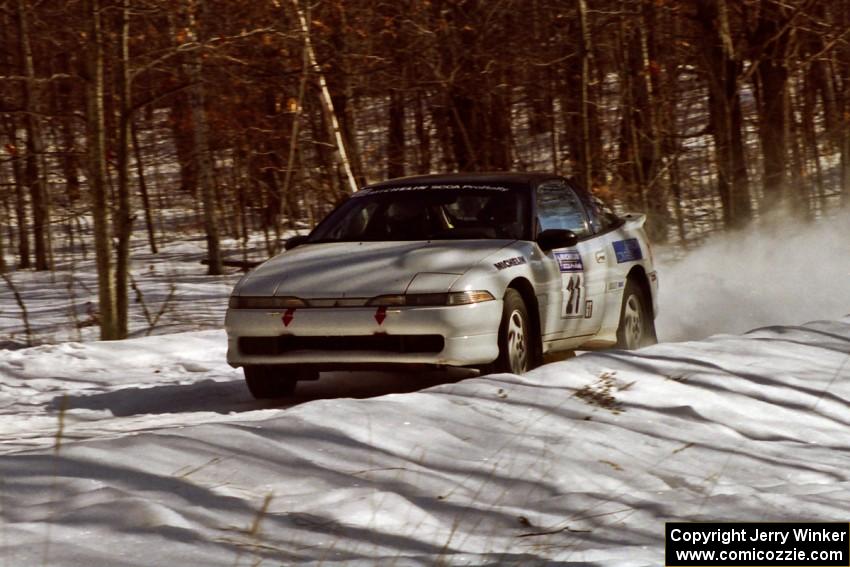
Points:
(510, 262)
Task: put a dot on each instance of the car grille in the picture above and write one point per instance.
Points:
(270, 346)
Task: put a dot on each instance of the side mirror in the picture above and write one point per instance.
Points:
(295, 241)
(556, 238)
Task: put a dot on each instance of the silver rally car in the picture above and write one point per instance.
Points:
(479, 270)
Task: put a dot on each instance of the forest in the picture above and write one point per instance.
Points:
(257, 117)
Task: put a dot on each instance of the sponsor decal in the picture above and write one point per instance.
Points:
(574, 288)
(588, 309)
(402, 188)
(614, 286)
(627, 250)
(395, 189)
(483, 187)
(288, 316)
(517, 261)
(380, 315)
(569, 261)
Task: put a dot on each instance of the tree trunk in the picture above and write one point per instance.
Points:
(2, 238)
(20, 196)
(800, 193)
(773, 83)
(480, 129)
(287, 199)
(201, 148)
(34, 144)
(395, 135)
(441, 116)
(640, 135)
(845, 168)
(841, 88)
(184, 145)
(628, 162)
(328, 166)
(143, 187)
(464, 125)
(123, 220)
(327, 102)
(498, 140)
(585, 172)
(772, 35)
(341, 88)
(725, 116)
(96, 139)
(423, 136)
(652, 98)
(64, 100)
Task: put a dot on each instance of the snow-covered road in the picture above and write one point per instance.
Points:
(151, 452)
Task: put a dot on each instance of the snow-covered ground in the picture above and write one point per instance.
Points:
(150, 451)
(170, 291)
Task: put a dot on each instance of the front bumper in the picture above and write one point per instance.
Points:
(352, 335)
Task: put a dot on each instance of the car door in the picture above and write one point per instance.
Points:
(582, 267)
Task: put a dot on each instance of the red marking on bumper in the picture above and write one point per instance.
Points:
(380, 315)
(288, 317)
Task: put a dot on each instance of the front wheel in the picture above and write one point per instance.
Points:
(267, 382)
(637, 327)
(516, 352)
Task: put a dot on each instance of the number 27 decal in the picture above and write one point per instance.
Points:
(574, 300)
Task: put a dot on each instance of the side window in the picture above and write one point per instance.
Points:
(602, 217)
(559, 207)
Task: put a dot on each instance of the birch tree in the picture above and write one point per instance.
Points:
(326, 100)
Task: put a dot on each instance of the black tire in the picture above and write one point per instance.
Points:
(637, 325)
(269, 382)
(516, 337)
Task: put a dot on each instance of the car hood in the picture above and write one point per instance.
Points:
(366, 269)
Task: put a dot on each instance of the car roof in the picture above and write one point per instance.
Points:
(514, 178)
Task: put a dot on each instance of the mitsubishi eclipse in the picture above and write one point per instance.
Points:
(490, 271)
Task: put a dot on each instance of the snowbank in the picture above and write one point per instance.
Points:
(150, 452)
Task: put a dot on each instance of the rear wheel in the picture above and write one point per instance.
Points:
(516, 352)
(637, 327)
(265, 382)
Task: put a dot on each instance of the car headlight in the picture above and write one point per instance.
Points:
(467, 297)
(248, 302)
(431, 299)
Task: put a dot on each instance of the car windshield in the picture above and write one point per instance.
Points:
(432, 212)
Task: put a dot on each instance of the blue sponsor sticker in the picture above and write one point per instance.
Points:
(627, 250)
(569, 261)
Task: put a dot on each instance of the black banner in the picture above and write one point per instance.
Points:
(816, 544)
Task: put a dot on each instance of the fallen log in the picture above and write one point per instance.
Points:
(244, 264)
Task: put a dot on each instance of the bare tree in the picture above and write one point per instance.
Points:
(34, 143)
(97, 177)
(123, 216)
(722, 73)
(200, 136)
(327, 102)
